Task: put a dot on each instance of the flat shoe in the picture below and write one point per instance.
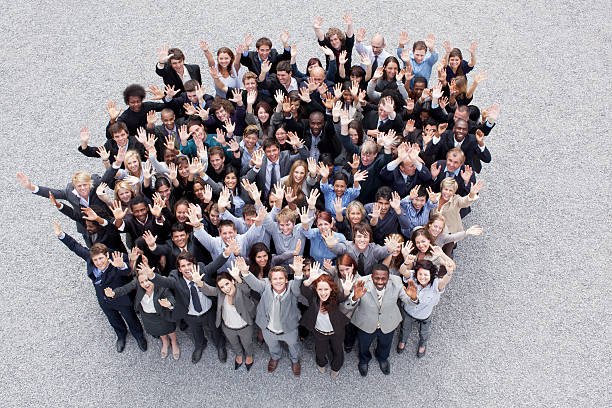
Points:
(321, 369)
(177, 354)
(164, 353)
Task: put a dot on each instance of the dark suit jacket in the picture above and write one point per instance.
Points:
(370, 121)
(171, 251)
(134, 120)
(111, 146)
(336, 317)
(176, 104)
(176, 282)
(111, 278)
(75, 204)
(107, 235)
(329, 141)
(462, 189)
(395, 179)
(251, 61)
(158, 293)
(172, 78)
(242, 301)
(473, 155)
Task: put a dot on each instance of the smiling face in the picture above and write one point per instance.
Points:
(227, 233)
(168, 119)
(339, 187)
(250, 140)
(323, 226)
(284, 77)
(139, 211)
(263, 115)
(230, 181)
(419, 55)
(182, 213)
(453, 161)
(454, 63)
(250, 84)
(422, 243)
(185, 268)
(183, 170)
(391, 71)
(164, 191)
(217, 162)
(344, 270)
(121, 138)
(100, 261)
(224, 59)
(278, 280)
(228, 287)
(281, 136)
(384, 206)
(221, 114)
(423, 276)
(436, 228)
(361, 241)
(263, 52)
(323, 290)
(214, 217)
(261, 258)
(178, 65)
(272, 153)
(460, 130)
(299, 173)
(354, 215)
(83, 189)
(335, 42)
(144, 282)
(135, 103)
(380, 279)
(447, 193)
(179, 238)
(418, 202)
(367, 158)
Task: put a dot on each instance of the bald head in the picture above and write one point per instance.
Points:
(377, 43)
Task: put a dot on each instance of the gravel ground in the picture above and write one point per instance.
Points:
(525, 321)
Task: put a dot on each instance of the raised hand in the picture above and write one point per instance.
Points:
(224, 199)
(248, 40)
(57, 229)
(330, 239)
(360, 176)
(323, 170)
(297, 265)
(326, 50)
(403, 38)
(101, 189)
(305, 218)
(312, 198)
(261, 215)
(117, 260)
(375, 211)
(266, 66)
(207, 193)
(348, 282)
(294, 140)
(348, 19)
(156, 209)
(195, 217)
(112, 110)
(195, 274)
(480, 137)
(315, 271)
(338, 208)
(171, 92)
(473, 47)
(342, 57)
(149, 238)
(157, 94)
(359, 290)
(435, 170)
(433, 197)
(298, 247)
(90, 215)
(84, 136)
(328, 265)
(290, 195)
(316, 23)
(392, 244)
(360, 35)
(233, 247)
(251, 97)
(103, 153)
(407, 252)
(338, 91)
(414, 192)
(396, 202)
(165, 303)
(284, 37)
(493, 113)
(474, 230)
(109, 293)
(365, 59)
(480, 77)
(411, 290)
(378, 74)
(257, 158)
(476, 187)
(430, 41)
(162, 54)
(173, 172)
(466, 174)
(118, 212)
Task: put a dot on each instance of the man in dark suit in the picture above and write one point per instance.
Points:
(192, 305)
(141, 219)
(318, 135)
(80, 193)
(105, 272)
(453, 167)
(269, 169)
(172, 68)
(168, 129)
(253, 59)
(120, 139)
(194, 96)
(180, 241)
(281, 80)
(405, 172)
(472, 145)
(382, 119)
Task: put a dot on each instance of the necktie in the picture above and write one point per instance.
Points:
(275, 316)
(195, 299)
(273, 178)
(361, 264)
(379, 299)
(375, 64)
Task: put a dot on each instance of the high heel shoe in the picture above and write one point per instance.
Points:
(248, 366)
(176, 353)
(237, 365)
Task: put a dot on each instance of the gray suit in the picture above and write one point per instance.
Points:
(290, 315)
(285, 160)
(368, 314)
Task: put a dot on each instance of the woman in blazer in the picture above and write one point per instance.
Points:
(323, 317)
(235, 310)
(154, 303)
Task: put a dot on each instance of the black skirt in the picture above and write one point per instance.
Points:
(155, 325)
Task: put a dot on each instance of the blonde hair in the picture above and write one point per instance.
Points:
(123, 184)
(369, 146)
(81, 177)
(286, 215)
(449, 182)
(129, 155)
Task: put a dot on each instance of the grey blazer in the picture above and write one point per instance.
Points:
(290, 314)
(285, 160)
(242, 300)
(368, 314)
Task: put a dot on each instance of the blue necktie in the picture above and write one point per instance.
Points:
(194, 297)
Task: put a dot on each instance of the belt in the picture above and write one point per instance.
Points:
(231, 328)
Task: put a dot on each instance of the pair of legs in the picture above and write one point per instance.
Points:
(199, 325)
(273, 341)
(241, 342)
(383, 346)
(424, 327)
(118, 316)
(165, 343)
(329, 346)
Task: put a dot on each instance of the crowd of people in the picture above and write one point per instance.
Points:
(284, 203)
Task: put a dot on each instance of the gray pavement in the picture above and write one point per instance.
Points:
(525, 321)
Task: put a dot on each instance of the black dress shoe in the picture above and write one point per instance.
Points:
(237, 365)
(142, 344)
(385, 367)
(248, 366)
(348, 349)
(363, 369)
(120, 345)
(197, 355)
(222, 354)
